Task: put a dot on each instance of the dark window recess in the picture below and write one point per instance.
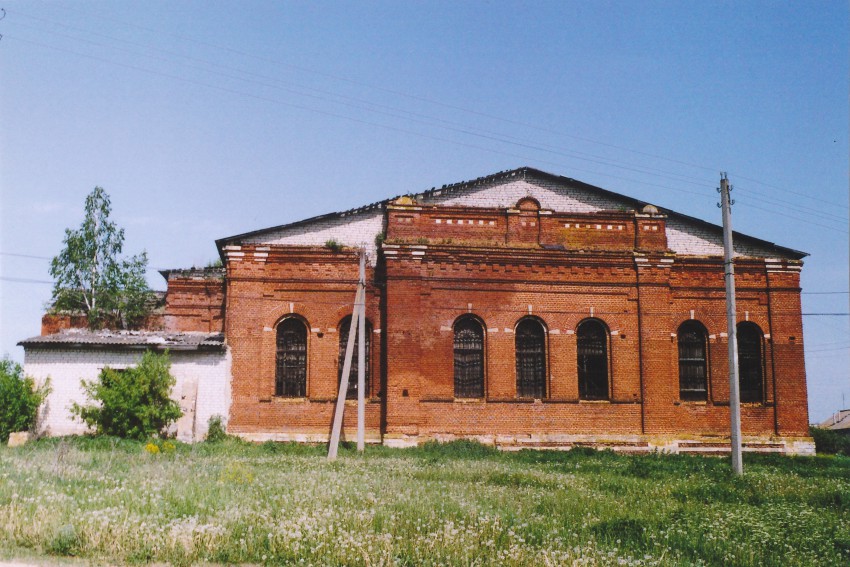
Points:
(291, 367)
(469, 359)
(530, 359)
(693, 370)
(592, 339)
(344, 328)
(750, 363)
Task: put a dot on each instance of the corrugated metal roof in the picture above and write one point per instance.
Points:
(838, 420)
(156, 340)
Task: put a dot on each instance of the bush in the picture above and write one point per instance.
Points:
(333, 245)
(132, 403)
(830, 442)
(215, 430)
(19, 399)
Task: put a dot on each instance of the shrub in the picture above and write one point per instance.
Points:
(830, 442)
(19, 399)
(333, 245)
(132, 403)
(215, 430)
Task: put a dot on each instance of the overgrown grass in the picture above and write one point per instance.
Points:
(108, 500)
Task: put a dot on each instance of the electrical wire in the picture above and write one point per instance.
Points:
(441, 104)
(499, 138)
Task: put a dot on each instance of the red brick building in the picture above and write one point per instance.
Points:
(522, 309)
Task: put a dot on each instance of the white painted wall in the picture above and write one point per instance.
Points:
(66, 367)
(354, 229)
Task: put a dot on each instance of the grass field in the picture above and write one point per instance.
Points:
(111, 501)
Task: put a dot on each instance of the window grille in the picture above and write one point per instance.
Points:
(344, 328)
(530, 359)
(291, 371)
(592, 339)
(750, 363)
(693, 370)
(469, 359)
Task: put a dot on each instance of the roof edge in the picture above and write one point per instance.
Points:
(524, 173)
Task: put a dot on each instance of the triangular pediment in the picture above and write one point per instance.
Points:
(358, 227)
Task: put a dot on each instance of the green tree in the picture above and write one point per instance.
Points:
(132, 403)
(19, 399)
(91, 277)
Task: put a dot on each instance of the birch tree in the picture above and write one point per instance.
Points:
(90, 276)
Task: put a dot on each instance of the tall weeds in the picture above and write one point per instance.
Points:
(228, 502)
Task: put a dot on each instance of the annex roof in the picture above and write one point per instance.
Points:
(105, 339)
(437, 195)
(838, 420)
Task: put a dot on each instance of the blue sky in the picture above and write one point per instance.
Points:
(207, 119)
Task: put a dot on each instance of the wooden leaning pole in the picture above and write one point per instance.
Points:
(356, 333)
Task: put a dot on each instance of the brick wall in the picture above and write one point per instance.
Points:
(195, 300)
(501, 251)
(316, 285)
(642, 304)
(441, 263)
(53, 323)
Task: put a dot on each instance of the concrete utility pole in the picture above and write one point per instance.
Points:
(333, 446)
(361, 354)
(731, 326)
(356, 333)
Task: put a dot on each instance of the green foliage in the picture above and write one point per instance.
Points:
(216, 432)
(830, 442)
(19, 399)
(379, 239)
(236, 502)
(91, 277)
(132, 403)
(333, 245)
(460, 449)
(64, 542)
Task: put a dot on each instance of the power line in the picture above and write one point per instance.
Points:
(24, 256)
(24, 280)
(500, 138)
(440, 103)
(150, 268)
(16, 255)
(431, 137)
(430, 121)
(395, 92)
(356, 120)
(393, 112)
(462, 308)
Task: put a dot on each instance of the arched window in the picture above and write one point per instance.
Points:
(469, 358)
(344, 328)
(291, 360)
(592, 347)
(750, 363)
(693, 369)
(530, 359)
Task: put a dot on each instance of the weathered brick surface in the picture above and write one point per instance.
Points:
(195, 300)
(441, 262)
(510, 246)
(267, 284)
(52, 323)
